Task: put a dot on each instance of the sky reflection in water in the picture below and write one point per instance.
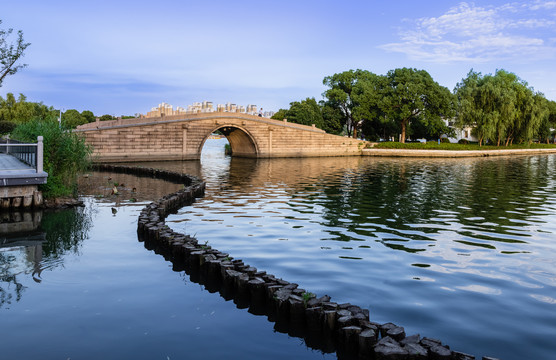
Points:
(459, 249)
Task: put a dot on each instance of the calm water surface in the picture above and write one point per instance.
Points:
(81, 286)
(459, 249)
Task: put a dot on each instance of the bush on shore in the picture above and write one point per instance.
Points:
(65, 155)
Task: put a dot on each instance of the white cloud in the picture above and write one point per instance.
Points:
(538, 5)
(480, 34)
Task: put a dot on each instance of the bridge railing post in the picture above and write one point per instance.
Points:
(40, 154)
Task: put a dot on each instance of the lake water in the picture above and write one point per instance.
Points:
(463, 250)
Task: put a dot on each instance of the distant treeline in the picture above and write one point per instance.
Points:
(19, 111)
(500, 108)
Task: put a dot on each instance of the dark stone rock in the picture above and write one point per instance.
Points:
(389, 349)
(461, 356)
(318, 301)
(329, 319)
(313, 318)
(428, 342)
(385, 327)
(367, 338)
(345, 321)
(349, 338)
(342, 313)
(415, 351)
(413, 339)
(291, 286)
(439, 352)
(396, 333)
(299, 292)
(329, 305)
(489, 358)
(256, 287)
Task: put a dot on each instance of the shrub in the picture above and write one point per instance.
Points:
(65, 155)
(463, 141)
(6, 127)
(445, 140)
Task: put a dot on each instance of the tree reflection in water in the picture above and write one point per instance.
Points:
(33, 242)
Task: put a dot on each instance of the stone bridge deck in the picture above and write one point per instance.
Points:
(181, 137)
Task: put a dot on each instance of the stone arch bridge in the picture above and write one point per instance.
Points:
(181, 137)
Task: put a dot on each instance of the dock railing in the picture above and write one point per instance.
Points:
(30, 154)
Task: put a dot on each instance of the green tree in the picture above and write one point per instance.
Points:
(309, 112)
(412, 94)
(305, 112)
(367, 96)
(20, 110)
(10, 53)
(6, 127)
(332, 118)
(72, 118)
(280, 114)
(106, 117)
(88, 116)
(340, 96)
(500, 107)
(548, 122)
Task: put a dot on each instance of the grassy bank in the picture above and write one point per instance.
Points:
(433, 145)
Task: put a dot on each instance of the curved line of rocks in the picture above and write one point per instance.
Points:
(325, 325)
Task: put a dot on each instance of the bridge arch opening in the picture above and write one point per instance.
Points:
(240, 140)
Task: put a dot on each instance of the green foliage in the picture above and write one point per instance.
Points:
(88, 116)
(309, 112)
(445, 140)
(10, 53)
(6, 127)
(65, 154)
(501, 108)
(412, 94)
(72, 119)
(340, 96)
(307, 296)
(279, 115)
(106, 117)
(20, 110)
(463, 141)
(434, 145)
(305, 112)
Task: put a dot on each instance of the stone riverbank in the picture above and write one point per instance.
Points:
(325, 325)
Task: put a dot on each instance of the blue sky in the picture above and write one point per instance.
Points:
(124, 57)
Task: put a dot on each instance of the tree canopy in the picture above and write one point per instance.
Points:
(72, 118)
(501, 108)
(10, 53)
(340, 96)
(309, 112)
(20, 110)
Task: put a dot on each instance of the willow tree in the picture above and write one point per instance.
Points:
(500, 107)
